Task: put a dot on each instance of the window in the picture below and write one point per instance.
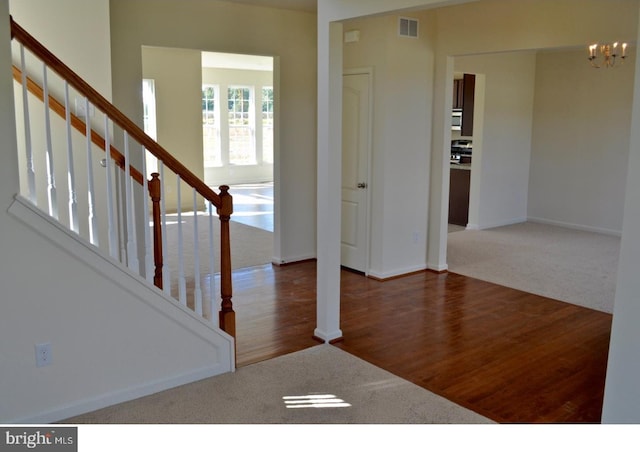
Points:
(149, 107)
(211, 126)
(267, 124)
(241, 130)
(237, 125)
(149, 119)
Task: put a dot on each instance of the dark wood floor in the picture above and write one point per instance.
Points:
(511, 356)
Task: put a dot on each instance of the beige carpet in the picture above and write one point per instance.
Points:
(319, 385)
(249, 246)
(574, 266)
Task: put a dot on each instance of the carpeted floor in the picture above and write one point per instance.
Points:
(574, 266)
(250, 246)
(319, 385)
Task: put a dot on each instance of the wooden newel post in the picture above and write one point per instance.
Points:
(227, 316)
(155, 193)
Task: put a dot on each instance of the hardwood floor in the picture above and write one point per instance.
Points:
(511, 356)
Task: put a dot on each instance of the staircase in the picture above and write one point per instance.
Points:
(96, 184)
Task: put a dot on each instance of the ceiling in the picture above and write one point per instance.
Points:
(234, 61)
(298, 5)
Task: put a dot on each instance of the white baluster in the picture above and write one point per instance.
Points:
(148, 254)
(197, 303)
(208, 307)
(31, 173)
(166, 271)
(182, 283)
(132, 248)
(113, 236)
(52, 194)
(71, 179)
(121, 216)
(93, 220)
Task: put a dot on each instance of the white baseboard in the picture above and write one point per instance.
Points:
(292, 259)
(327, 337)
(395, 273)
(437, 267)
(479, 227)
(113, 398)
(579, 227)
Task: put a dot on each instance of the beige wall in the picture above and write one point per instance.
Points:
(493, 26)
(401, 98)
(214, 26)
(580, 143)
(82, 30)
(58, 26)
(502, 144)
(177, 74)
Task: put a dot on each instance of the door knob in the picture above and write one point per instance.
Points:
(362, 185)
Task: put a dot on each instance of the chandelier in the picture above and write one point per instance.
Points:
(604, 55)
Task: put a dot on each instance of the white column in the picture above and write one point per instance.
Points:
(440, 150)
(329, 180)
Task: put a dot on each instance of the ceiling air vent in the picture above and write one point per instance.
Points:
(408, 27)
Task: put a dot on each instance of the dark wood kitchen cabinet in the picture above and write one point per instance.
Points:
(457, 94)
(459, 185)
(464, 99)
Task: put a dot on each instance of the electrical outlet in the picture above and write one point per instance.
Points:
(43, 355)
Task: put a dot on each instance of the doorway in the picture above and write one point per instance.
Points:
(356, 151)
(219, 111)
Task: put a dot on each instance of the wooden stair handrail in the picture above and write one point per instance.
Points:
(77, 123)
(222, 202)
(119, 118)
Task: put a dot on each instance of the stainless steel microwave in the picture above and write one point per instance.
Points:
(456, 119)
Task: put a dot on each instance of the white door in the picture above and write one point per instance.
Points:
(355, 170)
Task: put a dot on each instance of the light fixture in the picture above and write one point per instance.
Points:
(604, 55)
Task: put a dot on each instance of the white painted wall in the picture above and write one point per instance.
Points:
(500, 164)
(214, 26)
(109, 342)
(622, 392)
(580, 142)
(402, 98)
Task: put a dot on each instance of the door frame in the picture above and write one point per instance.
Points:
(368, 71)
